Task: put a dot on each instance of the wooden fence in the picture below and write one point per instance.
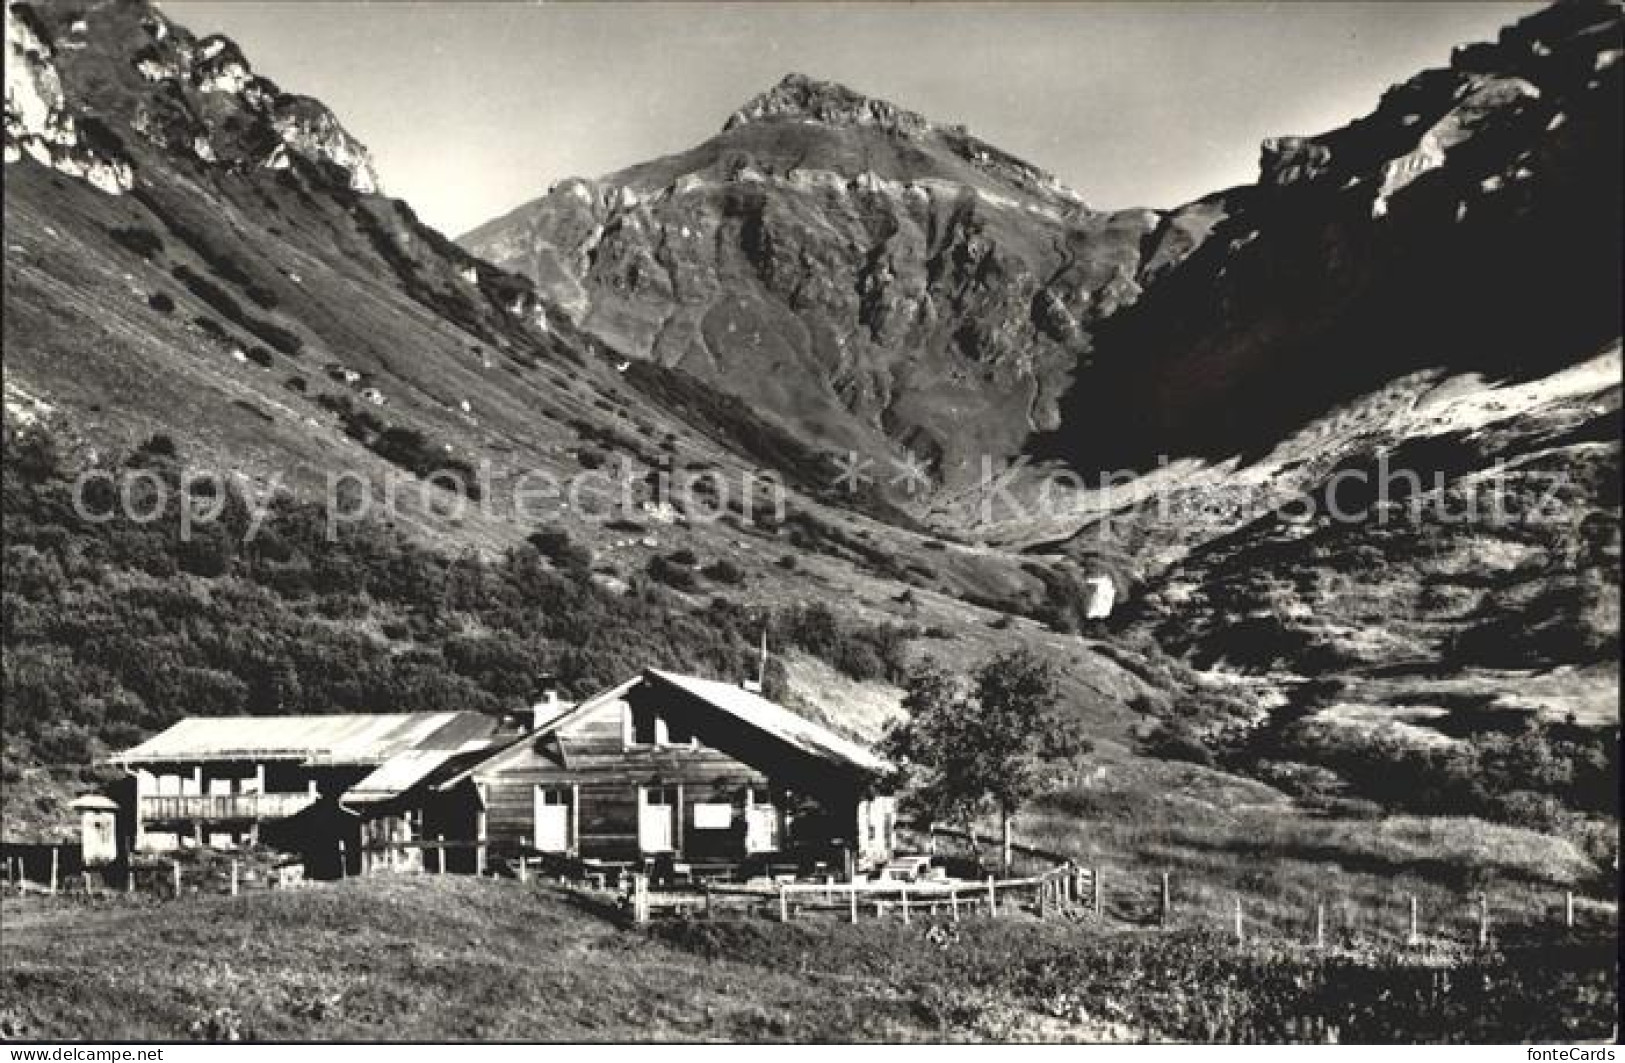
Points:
(60, 872)
(1059, 889)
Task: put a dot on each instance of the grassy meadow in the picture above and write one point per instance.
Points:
(458, 958)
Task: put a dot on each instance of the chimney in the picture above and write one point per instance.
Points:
(547, 705)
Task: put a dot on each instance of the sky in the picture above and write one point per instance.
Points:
(473, 108)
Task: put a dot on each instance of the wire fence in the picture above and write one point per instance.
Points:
(1046, 885)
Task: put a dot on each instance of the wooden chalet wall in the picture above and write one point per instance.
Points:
(591, 759)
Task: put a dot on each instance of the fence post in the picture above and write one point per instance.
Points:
(784, 905)
(440, 854)
(1320, 924)
(1483, 919)
(1412, 936)
(953, 902)
(1239, 937)
(705, 892)
(1568, 909)
(1167, 907)
(56, 854)
(852, 898)
(1100, 908)
(234, 877)
(992, 898)
(344, 864)
(640, 899)
(905, 905)
(175, 866)
(129, 874)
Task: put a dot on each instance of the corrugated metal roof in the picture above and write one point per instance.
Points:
(776, 720)
(340, 739)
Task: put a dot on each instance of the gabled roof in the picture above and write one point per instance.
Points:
(774, 719)
(500, 752)
(750, 709)
(338, 740)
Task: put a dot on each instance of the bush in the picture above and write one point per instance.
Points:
(161, 302)
(283, 340)
(138, 240)
(559, 546)
(1174, 740)
(724, 571)
(672, 574)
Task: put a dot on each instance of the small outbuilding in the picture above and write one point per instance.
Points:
(98, 829)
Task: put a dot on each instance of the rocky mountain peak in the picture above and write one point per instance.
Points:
(801, 98)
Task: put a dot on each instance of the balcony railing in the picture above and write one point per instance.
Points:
(214, 807)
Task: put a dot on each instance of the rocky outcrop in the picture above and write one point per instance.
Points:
(1470, 222)
(308, 128)
(802, 98)
(40, 119)
(196, 97)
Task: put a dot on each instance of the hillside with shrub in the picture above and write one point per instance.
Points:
(116, 628)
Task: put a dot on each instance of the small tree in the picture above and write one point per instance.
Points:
(989, 748)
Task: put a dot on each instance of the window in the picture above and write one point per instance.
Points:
(713, 816)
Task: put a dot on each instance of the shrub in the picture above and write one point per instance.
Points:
(262, 297)
(724, 571)
(161, 302)
(283, 340)
(559, 546)
(212, 328)
(138, 240)
(159, 445)
(672, 574)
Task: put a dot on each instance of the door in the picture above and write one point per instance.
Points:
(657, 817)
(552, 819)
(761, 824)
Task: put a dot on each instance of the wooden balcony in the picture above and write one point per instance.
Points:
(219, 807)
